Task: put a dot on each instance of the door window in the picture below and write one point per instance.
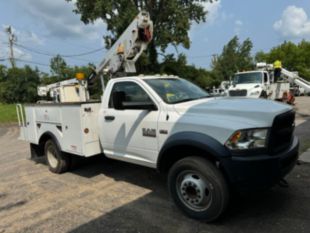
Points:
(265, 78)
(133, 93)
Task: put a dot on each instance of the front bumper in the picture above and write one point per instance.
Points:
(260, 171)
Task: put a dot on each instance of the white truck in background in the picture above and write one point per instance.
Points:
(207, 146)
(260, 84)
(257, 84)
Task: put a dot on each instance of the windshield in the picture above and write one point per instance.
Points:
(174, 91)
(255, 77)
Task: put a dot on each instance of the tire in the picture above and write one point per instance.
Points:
(264, 95)
(188, 179)
(57, 161)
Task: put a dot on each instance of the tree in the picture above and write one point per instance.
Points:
(235, 57)
(294, 57)
(19, 85)
(172, 19)
(58, 67)
(3, 71)
(178, 66)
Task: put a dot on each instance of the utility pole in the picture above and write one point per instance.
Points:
(12, 39)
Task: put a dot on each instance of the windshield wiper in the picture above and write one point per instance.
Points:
(191, 99)
(184, 100)
(204, 97)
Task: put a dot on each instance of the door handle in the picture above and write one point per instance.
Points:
(109, 118)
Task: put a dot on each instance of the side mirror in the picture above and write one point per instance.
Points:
(118, 97)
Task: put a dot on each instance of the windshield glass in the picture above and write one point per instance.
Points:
(174, 91)
(255, 77)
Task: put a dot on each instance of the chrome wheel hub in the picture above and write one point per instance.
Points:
(52, 159)
(193, 190)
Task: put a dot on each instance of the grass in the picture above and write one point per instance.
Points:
(8, 113)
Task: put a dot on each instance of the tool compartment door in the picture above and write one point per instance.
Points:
(89, 129)
(71, 129)
(30, 129)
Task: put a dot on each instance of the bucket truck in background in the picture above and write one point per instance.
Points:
(260, 84)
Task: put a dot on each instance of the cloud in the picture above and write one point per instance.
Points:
(238, 26)
(213, 10)
(26, 36)
(5, 53)
(22, 37)
(294, 23)
(59, 19)
(21, 54)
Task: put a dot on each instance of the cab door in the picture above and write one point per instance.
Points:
(131, 134)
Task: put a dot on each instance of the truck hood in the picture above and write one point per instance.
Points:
(251, 112)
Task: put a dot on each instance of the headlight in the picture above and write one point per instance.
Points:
(255, 93)
(248, 139)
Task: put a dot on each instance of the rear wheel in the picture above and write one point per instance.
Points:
(198, 188)
(57, 161)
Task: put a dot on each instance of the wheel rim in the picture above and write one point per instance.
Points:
(193, 190)
(51, 157)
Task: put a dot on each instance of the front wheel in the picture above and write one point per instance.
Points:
(198, 188)
(264, 95)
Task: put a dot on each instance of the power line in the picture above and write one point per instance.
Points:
(46, 53)
(25, 61)
(62, 55)
(32, 62)
(86, 53)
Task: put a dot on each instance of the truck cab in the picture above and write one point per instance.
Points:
(259, 84)
(252, 84)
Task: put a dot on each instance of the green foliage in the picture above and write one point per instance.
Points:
(178, 66)
(7, 113)
(58, 67)
(172, 19)
(18, 85)
(235, 57)
(294, 57)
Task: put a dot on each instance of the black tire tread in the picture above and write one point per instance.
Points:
(208, 169)
(63, 160)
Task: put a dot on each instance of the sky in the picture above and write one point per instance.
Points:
(50, 27)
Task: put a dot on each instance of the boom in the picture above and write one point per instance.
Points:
(121, 57)
(124, 53)
(294, 77)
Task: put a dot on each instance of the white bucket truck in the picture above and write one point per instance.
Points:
(207, 146)
(258, 84)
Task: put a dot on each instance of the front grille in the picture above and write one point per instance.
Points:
(238, 93)
(281, 134)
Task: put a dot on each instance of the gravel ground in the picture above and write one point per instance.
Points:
(109, 196)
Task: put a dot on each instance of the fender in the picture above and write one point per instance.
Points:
(201, 141)
(49, 134)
